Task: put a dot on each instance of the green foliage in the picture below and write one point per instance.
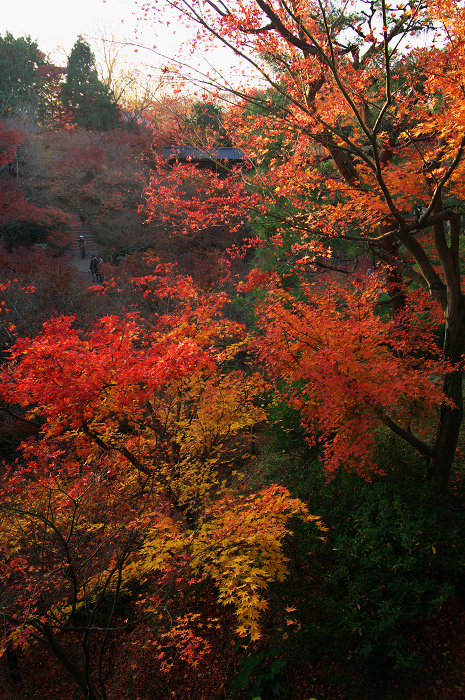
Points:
(91, 102)
(19, 79)
(395, 560)
(261, 672)
(256, 111)
(24, 233)
(206, 120)
(392, 557)
(285, 431)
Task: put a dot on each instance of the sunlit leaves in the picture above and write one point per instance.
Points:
(128, 482)
(332, 358)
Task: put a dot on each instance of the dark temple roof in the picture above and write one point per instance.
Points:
(186, 153)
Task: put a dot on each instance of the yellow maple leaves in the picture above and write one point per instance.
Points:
(130, 485)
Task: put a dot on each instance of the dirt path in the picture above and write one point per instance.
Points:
(79, 229)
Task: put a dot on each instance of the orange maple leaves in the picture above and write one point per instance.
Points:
(345, 369)
(137, 421)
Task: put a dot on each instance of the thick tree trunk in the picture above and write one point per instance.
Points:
(450, 416)
(394, 280)
(13, 664)
(88, 689)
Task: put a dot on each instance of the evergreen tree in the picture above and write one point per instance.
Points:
(20, 85)
(206, 121)
(91, 102)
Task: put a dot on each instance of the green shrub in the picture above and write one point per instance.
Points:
(263, 673)
(398, 557)
(284, 428)
(393, 555)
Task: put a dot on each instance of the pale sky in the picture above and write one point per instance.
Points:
(57, 23)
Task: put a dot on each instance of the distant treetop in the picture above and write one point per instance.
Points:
(19, 76)
(92, 104)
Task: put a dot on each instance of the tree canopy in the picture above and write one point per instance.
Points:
(20, 86)
(90, 101)
(139, 528)
(372, 153)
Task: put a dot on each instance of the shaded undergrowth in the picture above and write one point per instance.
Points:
(345, 622)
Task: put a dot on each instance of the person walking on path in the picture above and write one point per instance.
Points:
(94, 268)
(82, 246)
(99, 269)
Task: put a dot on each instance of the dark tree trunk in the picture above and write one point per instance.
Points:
(13, 664)
(450, 416)
(78, 674)
(394, 280)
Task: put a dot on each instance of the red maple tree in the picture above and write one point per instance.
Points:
(357, 139)
(126, 491)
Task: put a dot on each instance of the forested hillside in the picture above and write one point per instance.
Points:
(231, 426)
